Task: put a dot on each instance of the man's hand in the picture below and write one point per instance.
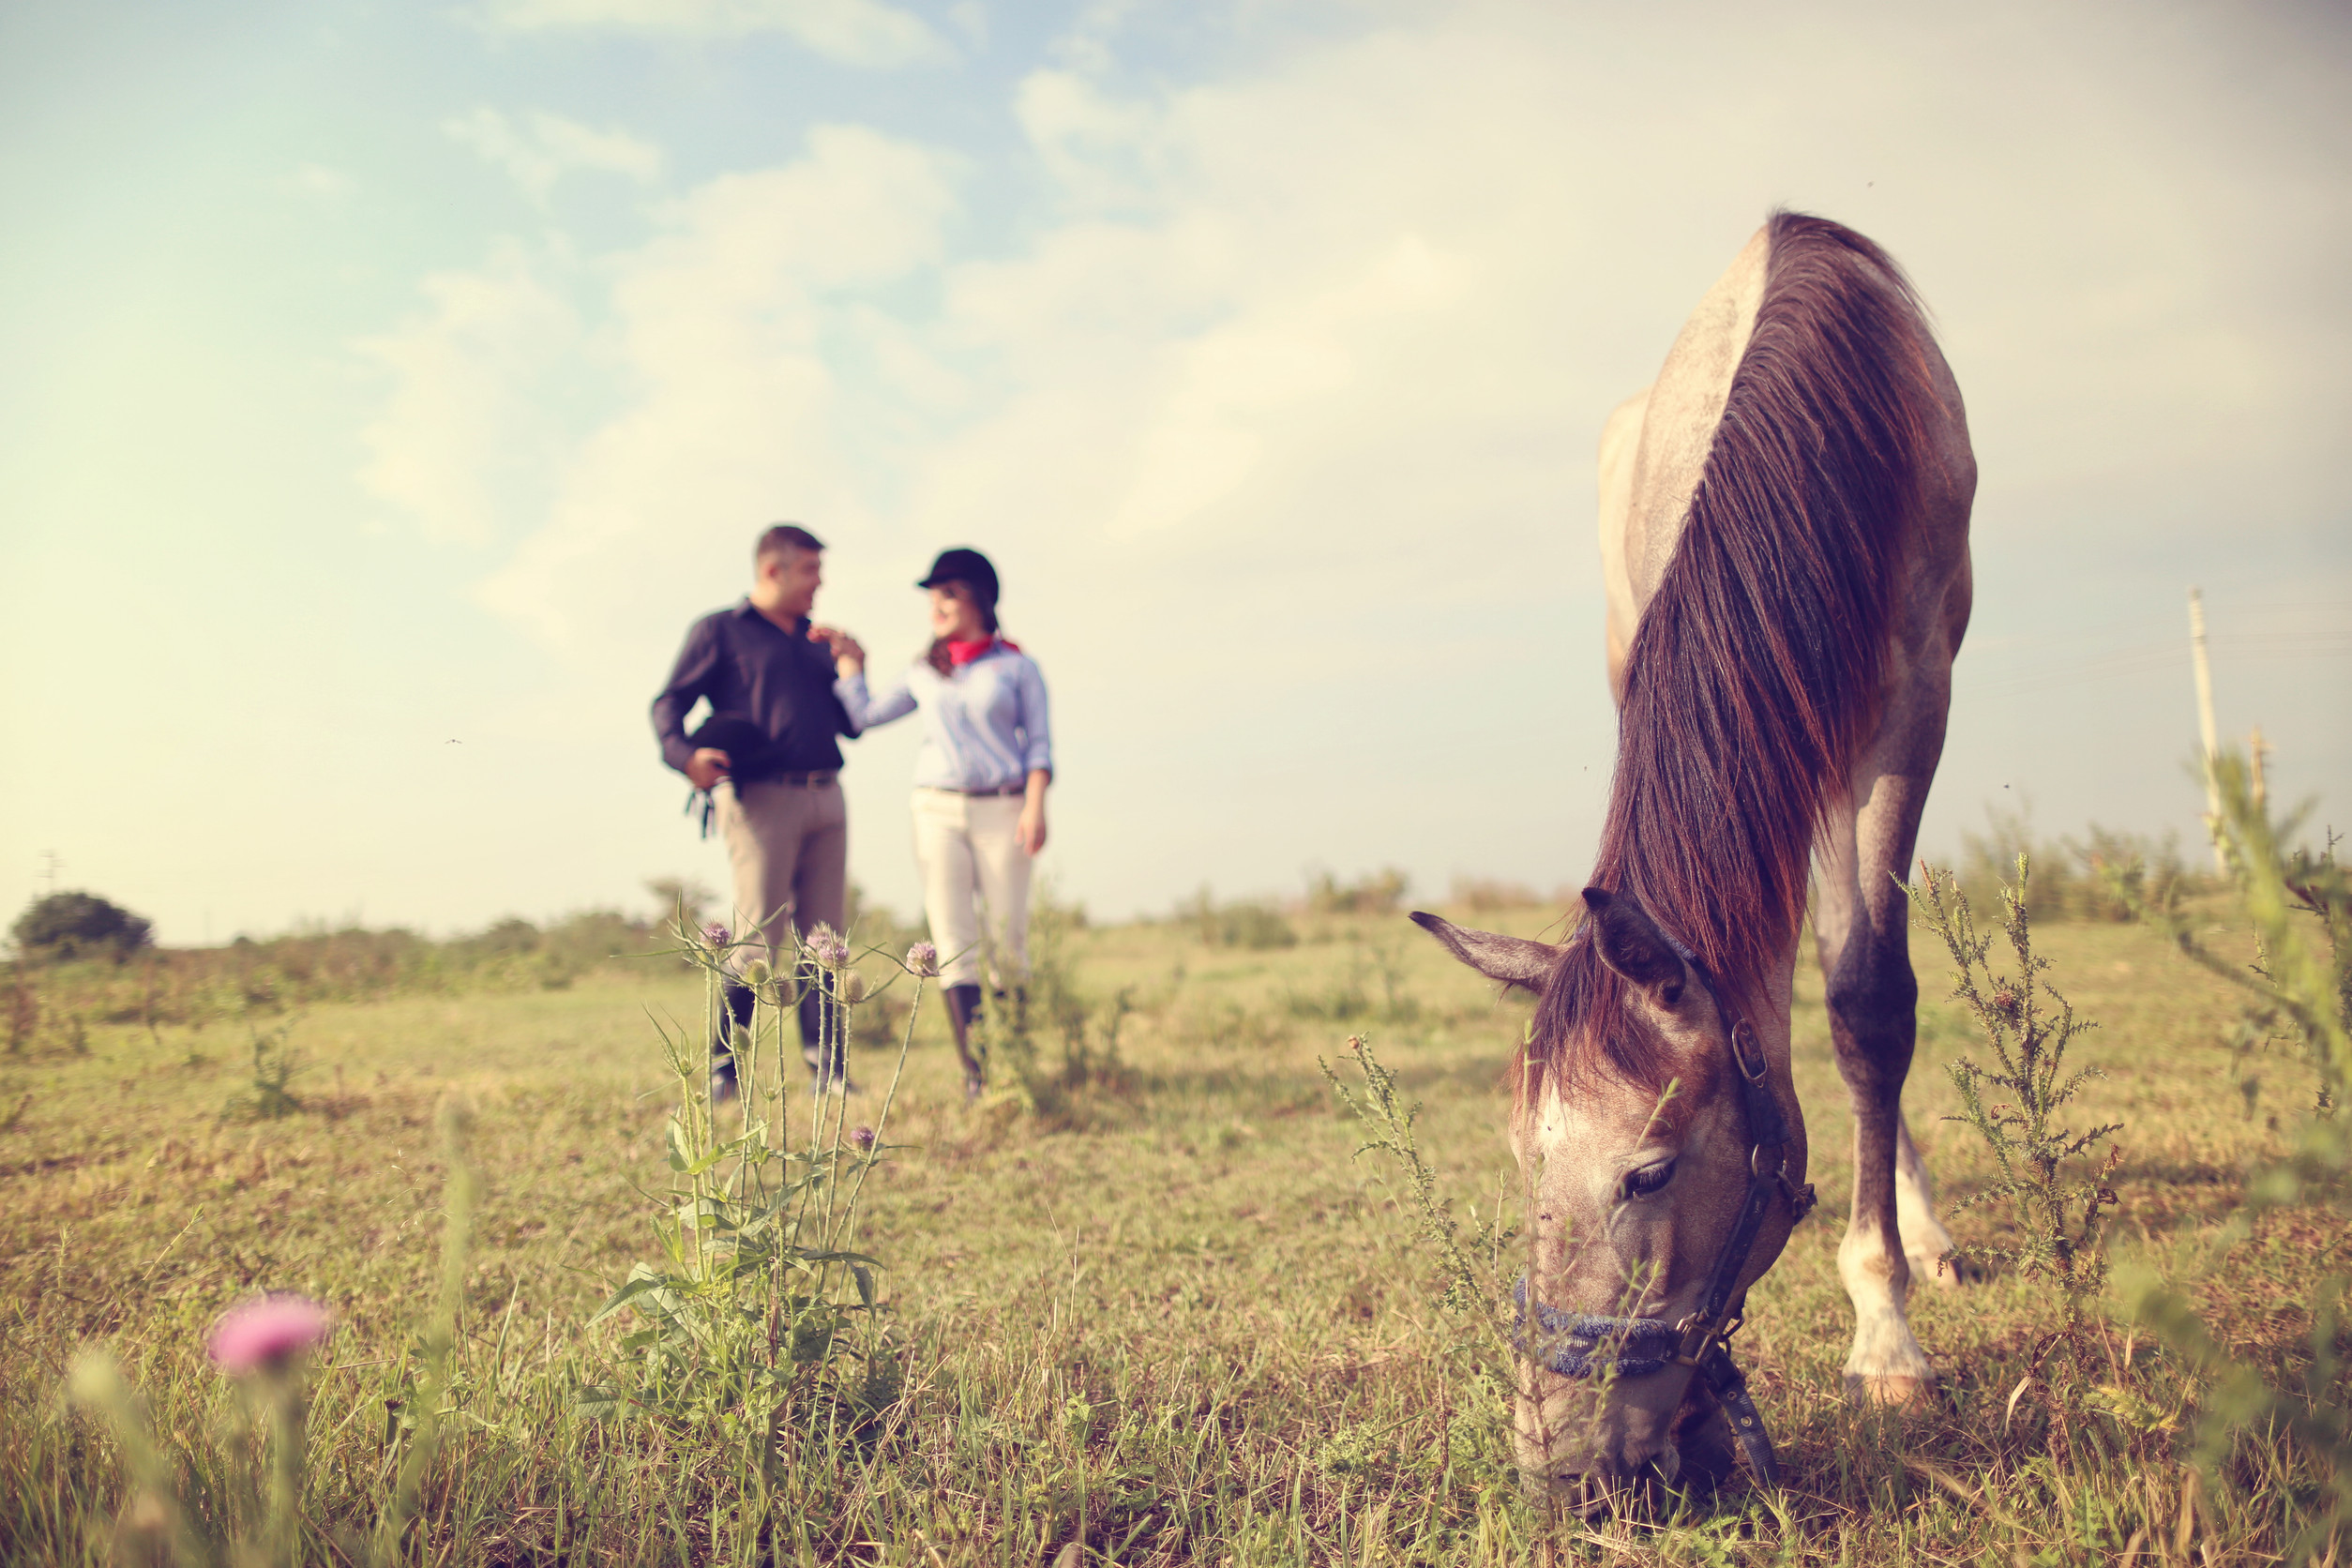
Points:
(849, 655)
(706, 767)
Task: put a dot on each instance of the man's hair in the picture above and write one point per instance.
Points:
(782, 537)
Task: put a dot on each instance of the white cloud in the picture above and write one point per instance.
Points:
(1284, 410)
(540, 148)
(727, 329)
(316, 182)
(471, 432)
(853, 32)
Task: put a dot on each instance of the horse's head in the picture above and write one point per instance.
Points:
(1634, 1126)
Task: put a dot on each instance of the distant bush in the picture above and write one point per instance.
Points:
(2072, 876)
(1249, 923)
(62, 926)
(1377, 893)
(48, 1002)
(683, 898)
(1481, 895)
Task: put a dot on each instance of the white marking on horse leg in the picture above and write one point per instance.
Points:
(1925, 1239)
(1886, 1366)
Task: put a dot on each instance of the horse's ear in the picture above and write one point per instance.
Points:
(1513, 960)
(1630, 942)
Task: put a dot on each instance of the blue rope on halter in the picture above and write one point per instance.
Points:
(1579, 1343)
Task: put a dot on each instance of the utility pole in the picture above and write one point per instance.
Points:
(2256, 749)
(49, 869)
(2204, 727)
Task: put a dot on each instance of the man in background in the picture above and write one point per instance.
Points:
(770, 758)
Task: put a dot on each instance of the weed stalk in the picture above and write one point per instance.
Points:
(2026, 1025)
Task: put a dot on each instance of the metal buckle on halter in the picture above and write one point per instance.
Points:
(1687, 1354)
(1744, 1035)
(1799, 1195)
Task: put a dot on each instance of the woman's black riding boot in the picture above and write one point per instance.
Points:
(738, 1019)
(963, 1010)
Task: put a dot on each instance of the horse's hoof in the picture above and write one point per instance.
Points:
(1895, 1390)
(973, 1087)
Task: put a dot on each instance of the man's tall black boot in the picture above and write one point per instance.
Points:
(963, 1011)
(739, 1002)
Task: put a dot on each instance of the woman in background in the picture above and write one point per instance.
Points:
(979, 781)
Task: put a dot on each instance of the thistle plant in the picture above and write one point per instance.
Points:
(276, 1065)
(1388, 1123)
(1507, 1326)
(262, 1345)
(265, 1347)
(2298, 993)
(2060, 1211)
(760, 1311)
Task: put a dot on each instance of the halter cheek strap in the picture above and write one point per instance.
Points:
(1580, 1344)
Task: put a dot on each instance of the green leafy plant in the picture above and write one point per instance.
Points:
(760, 1313)
(276, 1065)
(1378, 960)
(431, 1396)
(1051, 1002)
(2060, 1209)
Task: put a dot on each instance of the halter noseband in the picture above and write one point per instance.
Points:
(1582, 1345)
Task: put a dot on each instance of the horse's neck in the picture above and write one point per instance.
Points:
(1683, 407)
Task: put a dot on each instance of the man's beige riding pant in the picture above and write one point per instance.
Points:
(789, 846)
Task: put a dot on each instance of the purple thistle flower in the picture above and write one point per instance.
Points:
(266, 1334)
(715, 934)
(827, 948)
(923, 958)
(863, 1137)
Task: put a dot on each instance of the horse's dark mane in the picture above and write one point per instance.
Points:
(1755, 671)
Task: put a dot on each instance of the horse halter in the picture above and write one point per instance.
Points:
(1583, 1345)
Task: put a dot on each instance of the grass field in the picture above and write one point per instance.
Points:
(1168, 1319)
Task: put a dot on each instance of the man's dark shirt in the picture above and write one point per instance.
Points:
(752, 669)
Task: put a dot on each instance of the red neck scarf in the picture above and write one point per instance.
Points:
(961, 653)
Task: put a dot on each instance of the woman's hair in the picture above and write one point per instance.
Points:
(936, 655)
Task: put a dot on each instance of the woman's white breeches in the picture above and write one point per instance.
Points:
(968, 848)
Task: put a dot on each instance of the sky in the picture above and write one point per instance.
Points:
(383, 389)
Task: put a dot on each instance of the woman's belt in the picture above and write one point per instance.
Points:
(951, 790)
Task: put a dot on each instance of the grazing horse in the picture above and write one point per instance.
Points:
(1784, 534)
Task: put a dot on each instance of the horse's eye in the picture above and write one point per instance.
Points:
(1649, 1179)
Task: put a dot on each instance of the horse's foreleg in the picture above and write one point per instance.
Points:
(1925, 1239)
(1862, 923)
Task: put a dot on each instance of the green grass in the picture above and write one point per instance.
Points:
(1173, 1321)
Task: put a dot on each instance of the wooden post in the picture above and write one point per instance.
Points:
(2205, 726)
